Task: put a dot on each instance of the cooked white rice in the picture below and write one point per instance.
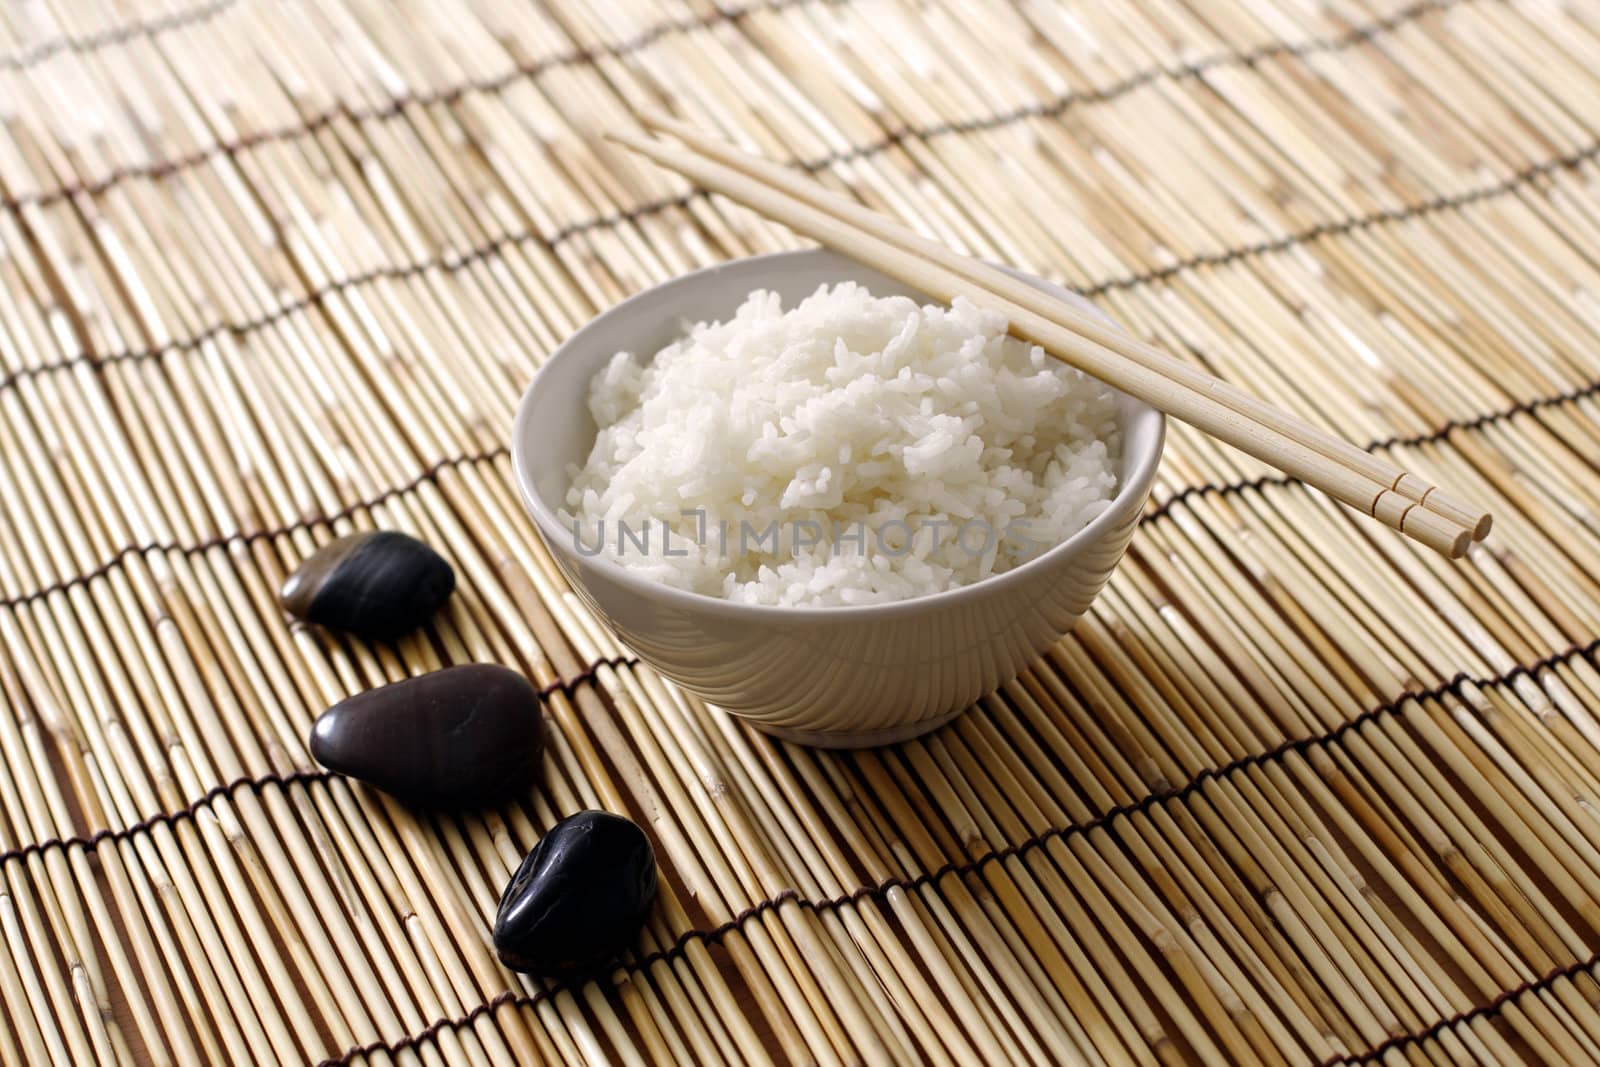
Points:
(866, 417)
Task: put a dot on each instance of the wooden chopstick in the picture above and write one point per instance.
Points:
(936, 271)
(1317, 439)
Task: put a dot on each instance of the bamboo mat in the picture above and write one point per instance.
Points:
(1295, 791)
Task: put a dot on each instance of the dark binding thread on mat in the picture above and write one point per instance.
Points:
(1485, 1011)
(567, 685)
(1059, 105)
(1051, 109)
(1440, 433)
(93, 42)
(1155, 512)
(321, 519)
(397, 105)
(450, 261)
(453, 260)
(1475, 422)
(256, 784)
(94, 840)
(967, 867)
(526, 1000)
(959, 868)
(1432, 206)
(1143, 806)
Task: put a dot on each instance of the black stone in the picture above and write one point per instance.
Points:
(376, 585)
(466, 735)
(578, 899)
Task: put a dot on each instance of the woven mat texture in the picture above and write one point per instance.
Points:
(1295, 791)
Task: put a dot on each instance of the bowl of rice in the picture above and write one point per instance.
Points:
(823, 504)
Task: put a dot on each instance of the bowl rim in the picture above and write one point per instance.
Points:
(1131, 494)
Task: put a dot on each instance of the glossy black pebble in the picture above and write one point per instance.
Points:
(465, 735)
(378, 585)
(578, 899)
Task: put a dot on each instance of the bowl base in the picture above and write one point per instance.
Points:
(856, 738)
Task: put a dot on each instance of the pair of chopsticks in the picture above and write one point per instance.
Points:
(1367, 483)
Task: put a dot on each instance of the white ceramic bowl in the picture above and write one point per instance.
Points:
(840, 677)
